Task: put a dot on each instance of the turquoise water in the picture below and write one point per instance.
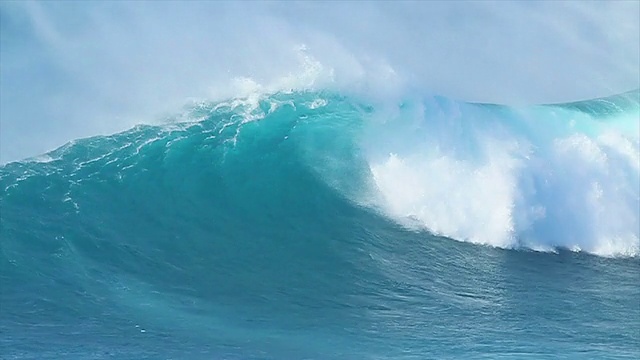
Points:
(319, 225)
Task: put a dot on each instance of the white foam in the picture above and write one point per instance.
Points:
(318, 103)
(476, 181)
(452, 197)
(44, 158)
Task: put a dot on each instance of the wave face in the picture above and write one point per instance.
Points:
(317, 224)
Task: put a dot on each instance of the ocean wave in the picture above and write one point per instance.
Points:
(538, 177)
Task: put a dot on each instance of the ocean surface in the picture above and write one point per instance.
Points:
(328, 225)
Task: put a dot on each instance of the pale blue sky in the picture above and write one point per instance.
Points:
(77, 69)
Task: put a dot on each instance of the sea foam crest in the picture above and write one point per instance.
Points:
(511, 181)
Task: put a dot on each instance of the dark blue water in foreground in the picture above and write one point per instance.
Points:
(261, 231)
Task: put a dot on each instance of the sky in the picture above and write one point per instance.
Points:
(77, 69)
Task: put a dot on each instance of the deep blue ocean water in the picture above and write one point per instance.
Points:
(320, 225)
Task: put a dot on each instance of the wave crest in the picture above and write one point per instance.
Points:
(540, 177)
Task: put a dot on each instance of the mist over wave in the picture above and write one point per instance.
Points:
(100, 68)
